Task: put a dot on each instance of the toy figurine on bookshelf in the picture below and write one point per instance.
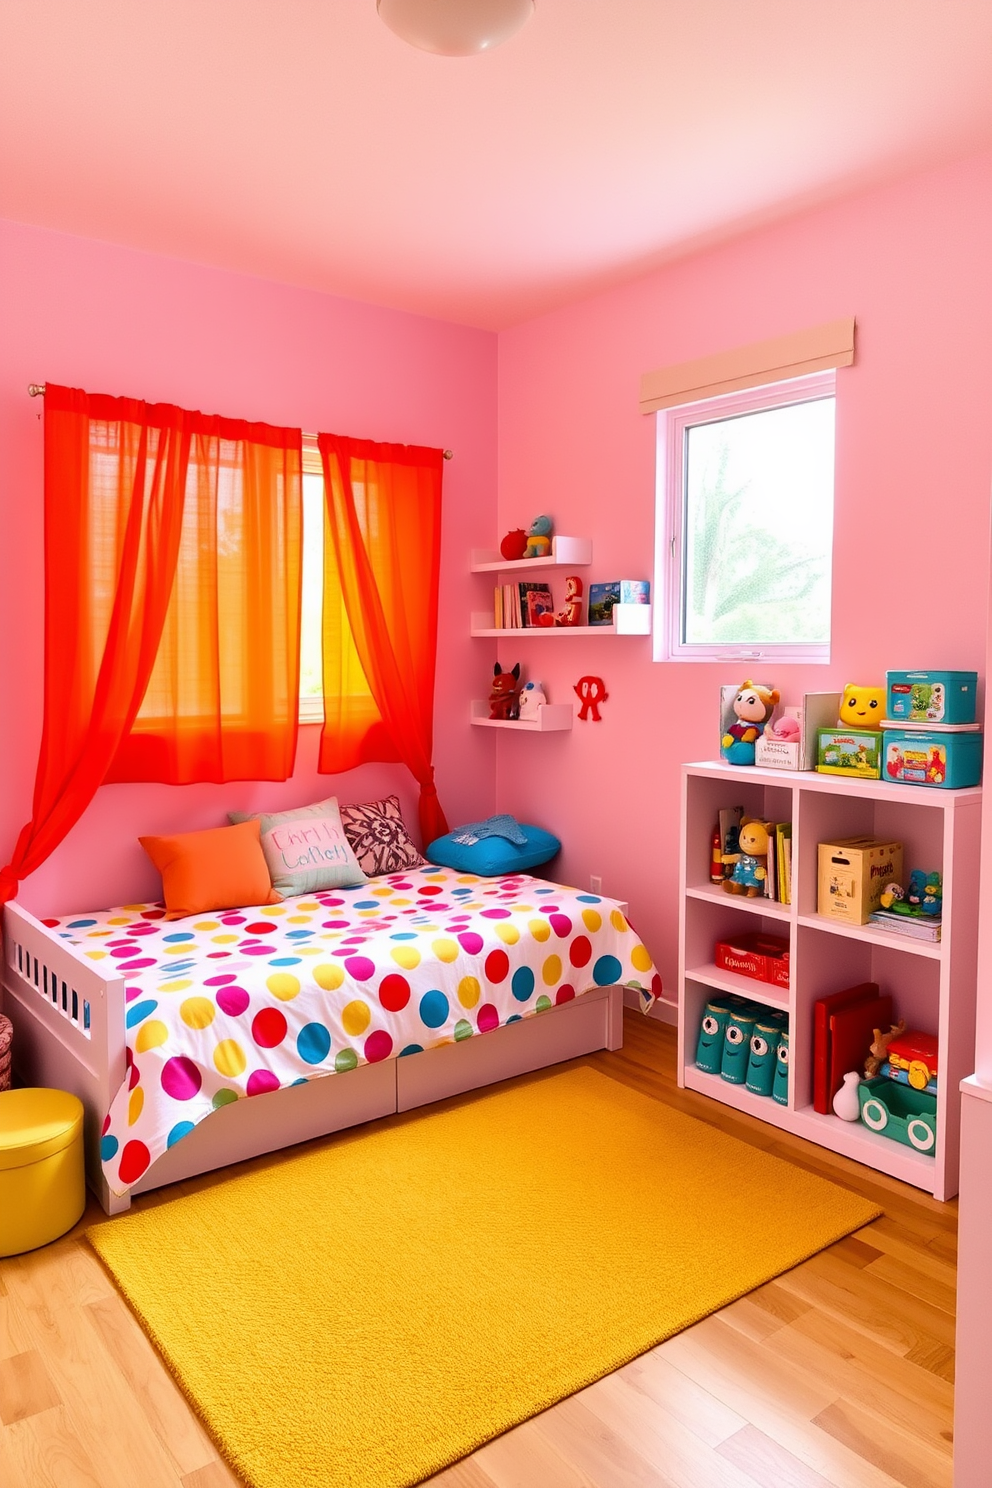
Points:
(915, 910)
(744, 711)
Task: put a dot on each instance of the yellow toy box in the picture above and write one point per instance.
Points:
(852, 875)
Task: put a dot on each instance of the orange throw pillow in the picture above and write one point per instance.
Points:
(221, 868)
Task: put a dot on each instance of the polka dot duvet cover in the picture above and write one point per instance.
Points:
(227, 1006)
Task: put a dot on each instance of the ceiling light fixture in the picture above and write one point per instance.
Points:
(455, 28)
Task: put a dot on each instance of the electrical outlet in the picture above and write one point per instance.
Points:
(595, 884)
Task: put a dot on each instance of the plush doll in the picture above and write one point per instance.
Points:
(862, 707)
(539, 538)
(749, 873)
(753, 706)
(513, 545)
(503, 698)
(532, 695)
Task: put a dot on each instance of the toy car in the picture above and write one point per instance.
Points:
(916, 1054)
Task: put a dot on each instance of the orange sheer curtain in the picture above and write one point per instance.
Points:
(381, 568)
(127, 487)
(222, 702)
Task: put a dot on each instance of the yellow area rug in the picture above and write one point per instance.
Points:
(363, 1314)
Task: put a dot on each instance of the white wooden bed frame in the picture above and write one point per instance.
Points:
(69, 1035)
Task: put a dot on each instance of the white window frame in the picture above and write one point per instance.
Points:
(672, 426)
(311, 709)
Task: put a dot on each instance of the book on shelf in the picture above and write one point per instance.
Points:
(840, 1022)
(783, 861)
(535, 600)
(920, 927)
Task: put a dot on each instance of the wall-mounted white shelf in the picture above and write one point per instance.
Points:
(566, 552)
(551, 718)
(631, 620)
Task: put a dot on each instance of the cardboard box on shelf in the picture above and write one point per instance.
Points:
(852, 874)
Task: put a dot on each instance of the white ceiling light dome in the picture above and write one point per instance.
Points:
(455, 28)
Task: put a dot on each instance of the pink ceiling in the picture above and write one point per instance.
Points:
(301, 140)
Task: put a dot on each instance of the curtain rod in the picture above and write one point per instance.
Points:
(37, 390)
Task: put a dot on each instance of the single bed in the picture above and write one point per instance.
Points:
(200, 1042)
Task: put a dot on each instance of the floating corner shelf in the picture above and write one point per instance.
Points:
(551, 718)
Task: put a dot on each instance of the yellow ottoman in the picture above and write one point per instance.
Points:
(42, 1187)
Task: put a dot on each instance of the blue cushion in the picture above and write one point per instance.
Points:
(492, 857)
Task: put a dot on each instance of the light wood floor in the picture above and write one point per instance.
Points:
(837, 1375)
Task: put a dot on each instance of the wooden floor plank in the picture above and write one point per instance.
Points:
(768, 1464)
(906, 1459)
(834, 1375)
(887, 1384)
(162, 1403)
(25, 1387)
(215, 1474)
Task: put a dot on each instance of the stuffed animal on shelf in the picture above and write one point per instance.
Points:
(513, 545)
(784, 730)
(753, 707)
(879, 1051)
(504, 695)
(539, 538)
(532, 695)
(891, 894)
(862, 707)
(750, 870)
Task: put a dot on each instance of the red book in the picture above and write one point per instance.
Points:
(852, 1029)
(822, 1009)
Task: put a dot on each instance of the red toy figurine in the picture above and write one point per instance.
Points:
(592, 691)
(504, 699)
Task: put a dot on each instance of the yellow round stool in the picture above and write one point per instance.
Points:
(42, 1186)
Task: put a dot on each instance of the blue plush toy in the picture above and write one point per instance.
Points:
(539, 538)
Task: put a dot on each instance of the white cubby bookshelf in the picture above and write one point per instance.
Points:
(932, 983)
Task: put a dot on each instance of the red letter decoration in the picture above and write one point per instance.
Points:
(592, 691)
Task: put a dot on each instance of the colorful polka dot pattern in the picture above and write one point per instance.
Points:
(233, 1005)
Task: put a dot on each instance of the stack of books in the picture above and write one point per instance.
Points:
(921, 927)
(516, 606)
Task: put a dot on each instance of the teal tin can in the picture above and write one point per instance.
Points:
(712, 1030)
(737, 1045)
(780, 1084)
(761, 1064)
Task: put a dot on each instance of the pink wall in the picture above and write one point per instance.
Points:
(109, 319)
(914, 455)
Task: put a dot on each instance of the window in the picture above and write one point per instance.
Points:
(745, 508)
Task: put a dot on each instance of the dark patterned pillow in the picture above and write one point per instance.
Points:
(379, 838)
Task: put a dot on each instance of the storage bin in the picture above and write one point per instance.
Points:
(931, 697)
(42, 1187)
(900, 1112)
(913, 756)
(763, 957)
